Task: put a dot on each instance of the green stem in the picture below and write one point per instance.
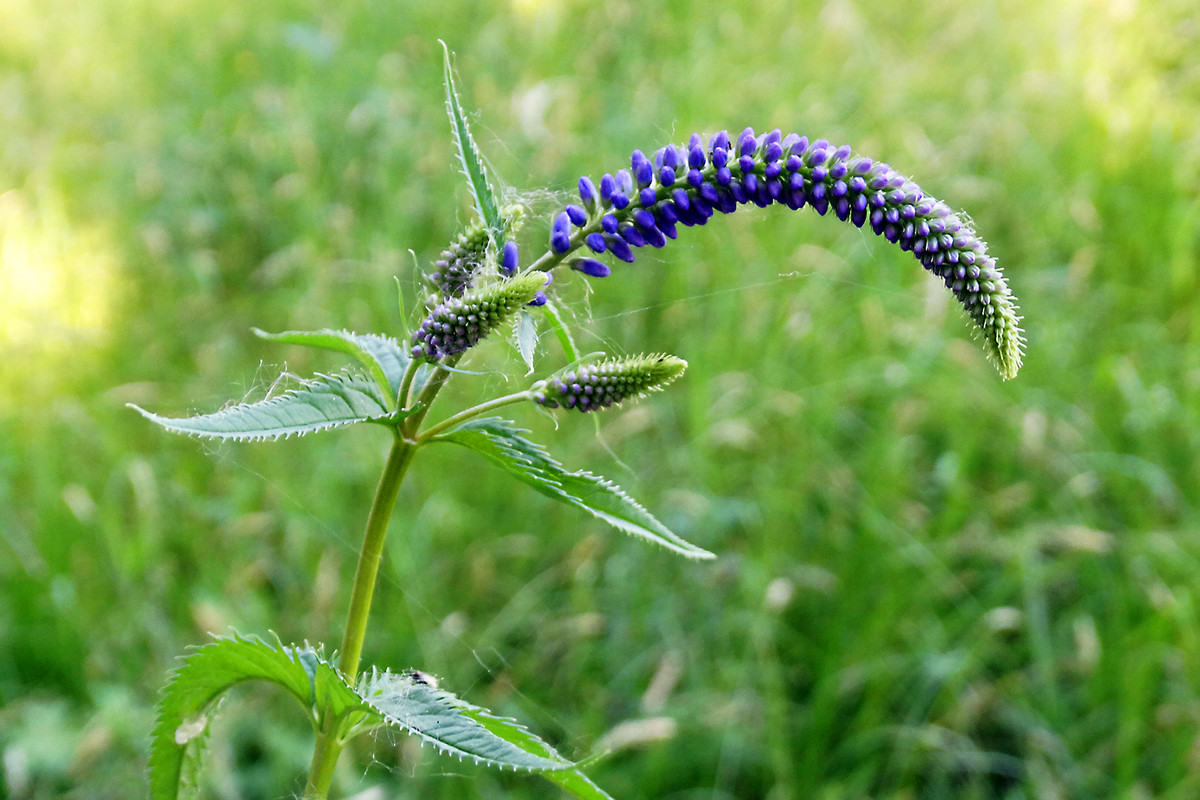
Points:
(328, 745)
(463, 416)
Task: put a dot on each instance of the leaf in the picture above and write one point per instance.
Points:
(472, 161)
(382, 355)
(525, 334)
(561, 331)
(407, 700)
(190, 698)
(327, 402)
(498, 441)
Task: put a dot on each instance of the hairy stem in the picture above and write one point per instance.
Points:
(328, 744)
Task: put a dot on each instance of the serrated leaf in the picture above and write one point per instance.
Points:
(502, 444)
(471, 159)
(525, 336)
(454, 726)
(189, 700)
(382, 355)
(559, 327)
(329, 401)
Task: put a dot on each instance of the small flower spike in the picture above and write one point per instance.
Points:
(604, 384)
(458, 323)
(686, 185)
(457, 264)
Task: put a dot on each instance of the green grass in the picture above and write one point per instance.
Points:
(977, 588)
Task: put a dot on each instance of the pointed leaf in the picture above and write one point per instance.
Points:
(561, 331)
(326, 402)
(189, 700)
(501, 443)
(525, 335)
(472, 162)
(382, 355)
(408, 701)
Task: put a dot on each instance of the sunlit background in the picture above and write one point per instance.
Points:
(932, 583)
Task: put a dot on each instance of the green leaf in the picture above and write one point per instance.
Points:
(525, 334)
(561, 331)
(382, 355)
(472, 161)
(409, 701)
(329, 401)
(501, 443)
(190, 699)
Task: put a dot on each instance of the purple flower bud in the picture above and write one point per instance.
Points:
(667, 226)
(723, 176)
(747, 163)
(670, 157)
(591, 267)
(719, 141)
(696, 159)
(694, 178)
(625, 181)
(539, 299)
(668, 212)
(577, 215)
(842, 153)
(619, 200)
(648, 196)
(666, 176)
(682, 199)
(632, 235)
(609, 223)
(643, 170)
(608, 185)
(560, 233)
(709, 193)
(643, 218)
(620, 248)
(587, 192)
(720, 158)
(746, 143)
(773, 152)
(654, 237)
(595, 241)
(509, 258)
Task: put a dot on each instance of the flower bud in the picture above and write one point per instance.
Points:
(604, 384)
(458, 323)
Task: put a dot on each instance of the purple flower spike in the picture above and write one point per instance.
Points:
(560, 233)
(591, 267)
(509, 258)
(687, 184)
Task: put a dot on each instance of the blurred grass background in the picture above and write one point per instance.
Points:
(932, 583)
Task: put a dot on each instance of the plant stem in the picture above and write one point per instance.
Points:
(474, 411)
(328, 746)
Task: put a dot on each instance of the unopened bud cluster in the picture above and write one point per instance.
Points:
(458, 323)
(686, 185)
(604, 384)
(459, 264)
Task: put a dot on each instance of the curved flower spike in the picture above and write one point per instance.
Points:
(458, 323)
(596, 386)
(687, 185)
